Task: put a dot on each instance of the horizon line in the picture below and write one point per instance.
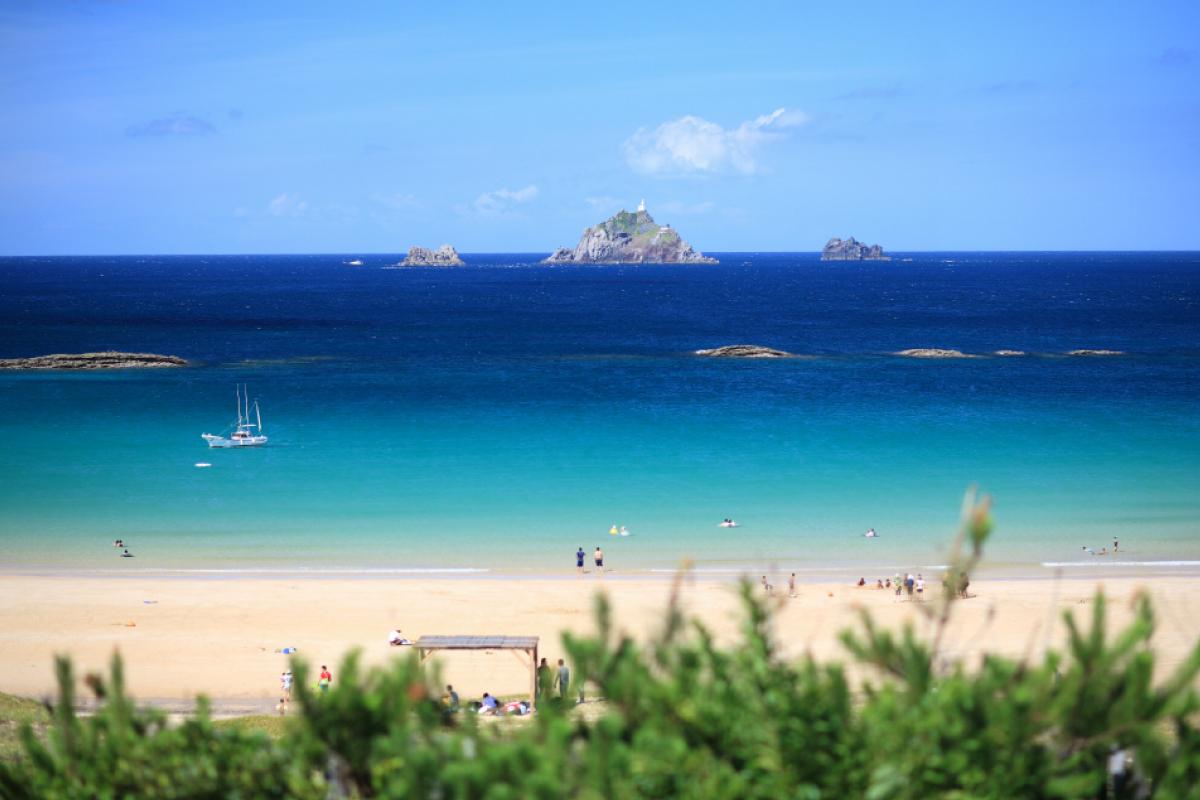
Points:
(332, 253)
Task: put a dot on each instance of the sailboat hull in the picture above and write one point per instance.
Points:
(243, 441)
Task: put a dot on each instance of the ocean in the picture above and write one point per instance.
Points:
(489, 420)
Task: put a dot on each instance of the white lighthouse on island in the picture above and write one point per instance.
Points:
(642, 206)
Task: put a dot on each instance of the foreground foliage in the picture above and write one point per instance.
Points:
(684, 718)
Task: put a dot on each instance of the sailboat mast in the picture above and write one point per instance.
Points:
(258, 413)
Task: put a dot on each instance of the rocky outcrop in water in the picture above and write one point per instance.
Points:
(852, 250)
(1009, 353)
(1096, 353)
(106, 360)
(744, 351)
(630, 238)
(444, 256)
(933, 352)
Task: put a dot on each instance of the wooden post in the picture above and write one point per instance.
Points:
(533, 678)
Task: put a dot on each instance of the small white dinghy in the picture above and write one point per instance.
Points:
(203, 464)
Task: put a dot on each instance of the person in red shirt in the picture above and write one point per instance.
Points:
(326, 678)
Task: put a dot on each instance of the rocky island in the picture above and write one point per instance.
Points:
(630, 239)
(852, 250)
(105, 360)
(444, 256)
(744, 351)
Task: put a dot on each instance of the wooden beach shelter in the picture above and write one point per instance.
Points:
(428, 645)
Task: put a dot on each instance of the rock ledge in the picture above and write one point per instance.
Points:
(933, 352)
(106, 360)
(744, 351)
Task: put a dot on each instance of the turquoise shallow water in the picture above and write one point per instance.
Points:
(497, 417)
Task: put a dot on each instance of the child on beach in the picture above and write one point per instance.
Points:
(325, 679)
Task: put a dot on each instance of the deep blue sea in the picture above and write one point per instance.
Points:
(496, 417)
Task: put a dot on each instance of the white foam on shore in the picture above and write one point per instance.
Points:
(327, 571)
(1121, 563)
(744, 570)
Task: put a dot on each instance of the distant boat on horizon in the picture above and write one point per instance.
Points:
(245, 433)
(355, 263)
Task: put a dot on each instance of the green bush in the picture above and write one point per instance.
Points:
(683, 718)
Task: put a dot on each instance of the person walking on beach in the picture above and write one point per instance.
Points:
(792, 585)
(598, 557)
(563, 681)
(544, 679)
(579, 557)
(285, 683)
(908, 585)
(920, 587)
(898, 583)
(325, 679)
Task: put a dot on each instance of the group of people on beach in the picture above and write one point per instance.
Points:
(324, 680)
(913, 585)
(769, 588)
(597, 558)
(551, 683)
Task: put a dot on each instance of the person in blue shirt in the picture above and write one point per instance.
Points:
(579, 557)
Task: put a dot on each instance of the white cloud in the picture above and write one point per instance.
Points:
(397, 201)
(691, 144)
(286, 205)
(502, 200)
(686, 209)
(603, 203)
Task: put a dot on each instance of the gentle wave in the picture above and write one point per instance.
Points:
(855, 568)
(1121, 563)
(324, 571)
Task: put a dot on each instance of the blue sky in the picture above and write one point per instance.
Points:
(140, 127)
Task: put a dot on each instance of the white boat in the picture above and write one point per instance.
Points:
(728, 524)
(355, 263)
(245, 432)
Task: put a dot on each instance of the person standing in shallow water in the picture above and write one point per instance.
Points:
(598, 556)
(579, 557)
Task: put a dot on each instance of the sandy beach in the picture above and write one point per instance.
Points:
(183, 636)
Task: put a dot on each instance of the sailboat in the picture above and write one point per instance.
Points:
(245, 433)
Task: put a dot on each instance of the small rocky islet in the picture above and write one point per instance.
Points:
(444, 256)
(630, 238)
(852, 250)
(109, 359)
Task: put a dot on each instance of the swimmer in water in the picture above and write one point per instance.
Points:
(613, 530)
(127, 554)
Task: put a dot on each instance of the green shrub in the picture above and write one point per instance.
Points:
(683, 718)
